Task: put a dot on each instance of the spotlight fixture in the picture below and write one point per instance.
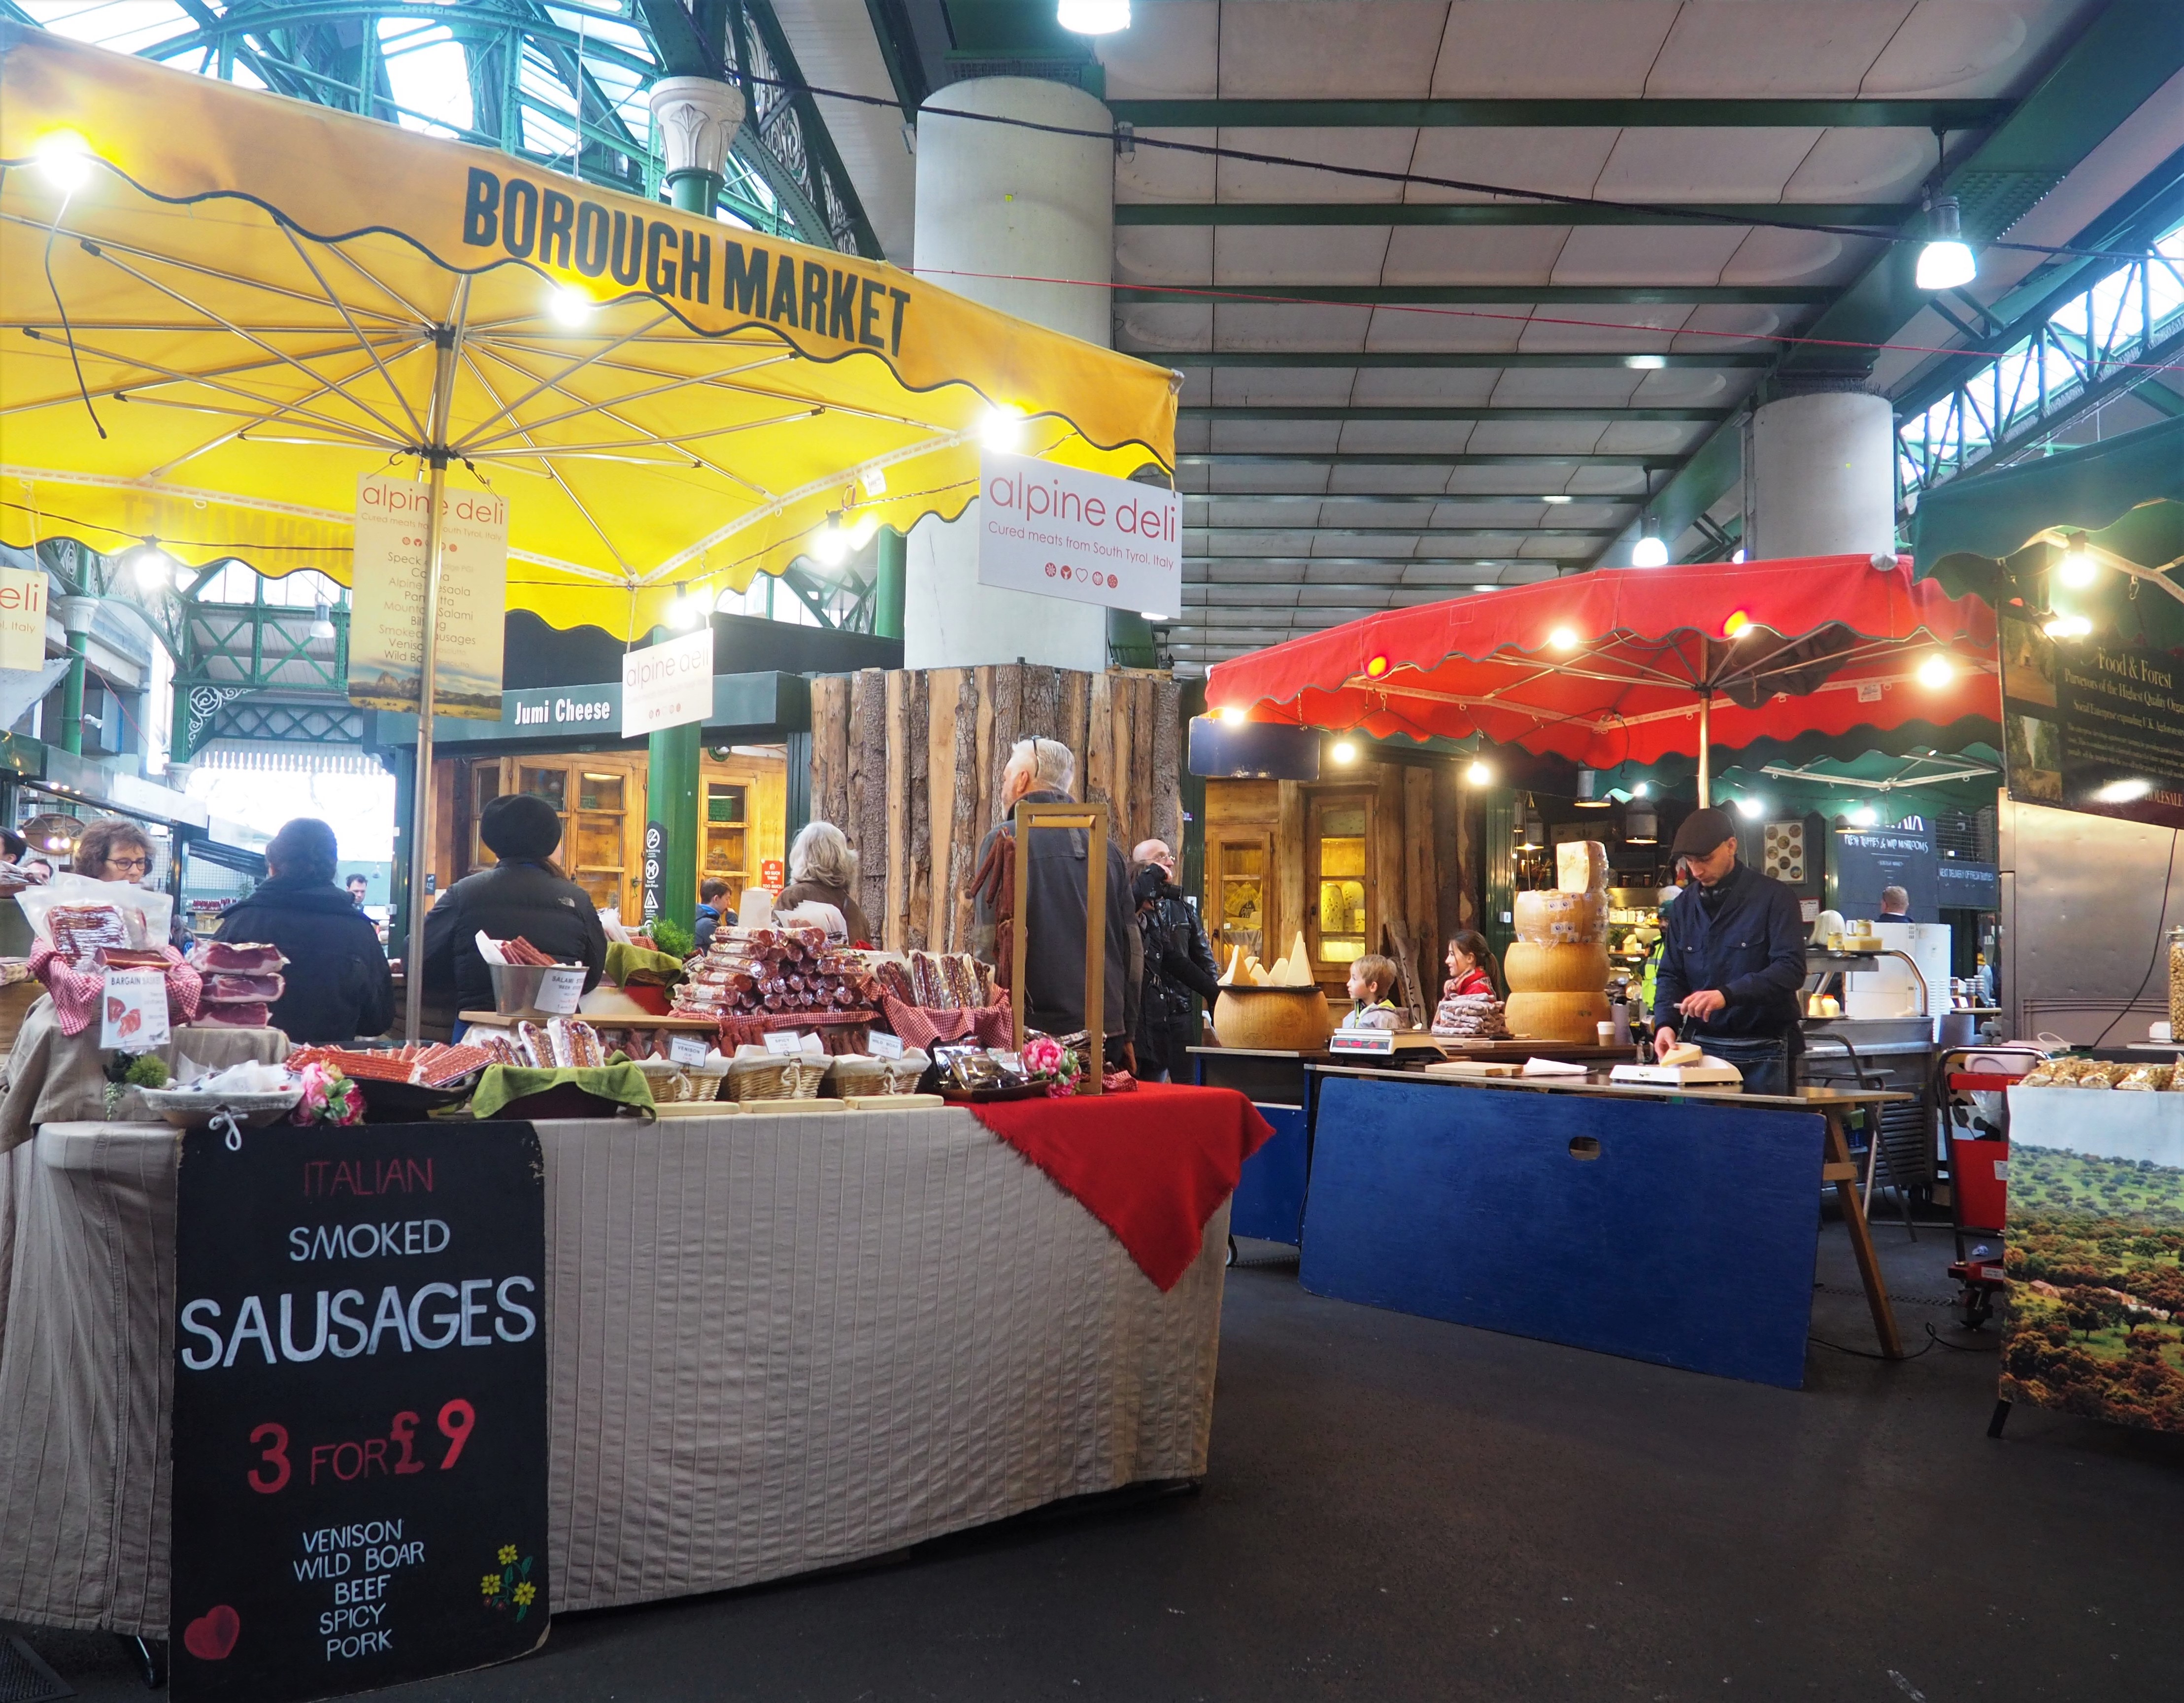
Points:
(1640, 827)
(1093, 17)
(1563, 639)
(830, 544)
(1936, 672)
(1478, 774)
(685, 612)
(1945, 263)
(154, 568)
(1002, 430)
(1232, 715)
(2060, 625)
(2077, 568)
(1652, 550)
(1750, 809)
(1586, 781)
(322, 621)
(569, 307)
(1643, 789)
(64, 160)
(1344, 752)
(1865, 816)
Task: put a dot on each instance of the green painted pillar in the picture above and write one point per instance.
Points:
(894, 578)
(405, 825)
(695, 191)
(671, 786)
(76, 613)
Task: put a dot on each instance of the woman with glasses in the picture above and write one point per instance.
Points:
(113, 849)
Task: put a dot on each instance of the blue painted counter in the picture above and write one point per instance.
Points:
(1682, 1232)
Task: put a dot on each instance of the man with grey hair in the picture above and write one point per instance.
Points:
(1042, 771)
(1895, 906)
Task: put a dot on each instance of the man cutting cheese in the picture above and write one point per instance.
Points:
(1733, 962)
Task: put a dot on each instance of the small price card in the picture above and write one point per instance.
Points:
(686, 1049)
(884, 1046)
(559, 990)
(133, 1010)
(784, 1041)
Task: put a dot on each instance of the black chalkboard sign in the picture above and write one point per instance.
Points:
(1869, 859)
(360, 1441)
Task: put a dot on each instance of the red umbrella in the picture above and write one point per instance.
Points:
(1634, 664)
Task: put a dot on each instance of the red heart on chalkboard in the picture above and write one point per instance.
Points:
(212, 1635)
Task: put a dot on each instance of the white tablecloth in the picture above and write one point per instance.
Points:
(775, 1343)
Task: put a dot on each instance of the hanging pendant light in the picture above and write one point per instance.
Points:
(1945, 263)
(1640, 827)
(1587, 783)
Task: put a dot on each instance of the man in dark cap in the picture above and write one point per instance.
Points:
(525, 893)
(1733, 962)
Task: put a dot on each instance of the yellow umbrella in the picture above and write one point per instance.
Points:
(219, 307)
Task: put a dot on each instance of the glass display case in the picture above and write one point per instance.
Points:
(1344, 923)
(1239, 894)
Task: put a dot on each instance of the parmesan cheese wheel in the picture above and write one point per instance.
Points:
(1574, 966)
(1569, 1017)
(1581, 866)
(1547, 918)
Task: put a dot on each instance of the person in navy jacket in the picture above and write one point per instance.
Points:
(1733, 961)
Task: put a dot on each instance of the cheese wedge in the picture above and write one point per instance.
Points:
(1684, 1052)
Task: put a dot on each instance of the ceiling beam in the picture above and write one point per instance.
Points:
(1463, 295)
(1344, 529)
(1376, 458)
(1883, 215)
(1340, 415)
(1561, 114)
(1276, 360)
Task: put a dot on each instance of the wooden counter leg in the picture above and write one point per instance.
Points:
(1844, 1174)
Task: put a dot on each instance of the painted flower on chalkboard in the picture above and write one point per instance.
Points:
(511, 1588)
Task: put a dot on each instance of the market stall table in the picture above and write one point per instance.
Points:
(1668, 1223)
(775, 1344)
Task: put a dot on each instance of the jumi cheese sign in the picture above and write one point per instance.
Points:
(680, 261)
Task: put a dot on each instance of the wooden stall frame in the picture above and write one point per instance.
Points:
(1092, 818)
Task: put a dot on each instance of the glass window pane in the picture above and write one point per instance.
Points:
(551, 784)
(600, 792)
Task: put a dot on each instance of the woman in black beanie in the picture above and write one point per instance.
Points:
(525, 894)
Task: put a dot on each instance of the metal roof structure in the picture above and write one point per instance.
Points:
(1398, 390)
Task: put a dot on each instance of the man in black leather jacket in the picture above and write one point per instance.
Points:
(525, 894)
(336, 986)
(1178, 966)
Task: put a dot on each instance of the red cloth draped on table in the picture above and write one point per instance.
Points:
(1151, 1166)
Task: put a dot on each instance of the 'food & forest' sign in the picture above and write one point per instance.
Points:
(359, 1434)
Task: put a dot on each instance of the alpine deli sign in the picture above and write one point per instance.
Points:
(1089, 538)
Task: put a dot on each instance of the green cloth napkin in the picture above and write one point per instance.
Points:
(622, 961)
(500, 1083)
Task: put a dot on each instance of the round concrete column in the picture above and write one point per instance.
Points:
(1823, 476)
(997, 207)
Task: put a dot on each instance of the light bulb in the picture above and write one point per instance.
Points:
(685, 612)
(830, 545)
(2077, 568)
(2062, 626)
(1643, 789)
(1232, 715)
(322, 624)
(861, 530)
(569, 306)
(1750, 809)
(1936, 672)
(1479, 775)
(1945, 263)
(1563, 639)
(1864, 816)
(1344, 751)
(1002, 430)
(64, 160)
(1645, 363)
(1649, 552)
(154, 567)
(1093, 17)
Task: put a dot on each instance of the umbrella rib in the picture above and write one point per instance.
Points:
(590, 407)
(416, 311)
(553, 473)
(210, 381)
(569, 369)
(131, 388)
(393, 430)
(638, 442)
(363, 342)
(106, 246)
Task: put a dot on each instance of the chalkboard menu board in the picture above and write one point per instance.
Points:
(1869, 859)
(359, 1415)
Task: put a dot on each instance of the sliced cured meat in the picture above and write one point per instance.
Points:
(243, 958)
(242, 1014)
(224, 987)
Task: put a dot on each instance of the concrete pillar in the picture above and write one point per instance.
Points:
(998, 207)
(1823, 476)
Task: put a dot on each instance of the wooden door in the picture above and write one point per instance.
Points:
(1239, 894)
(1342, 919)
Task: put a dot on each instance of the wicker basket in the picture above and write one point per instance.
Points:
(857, 1075)
(786, 1077)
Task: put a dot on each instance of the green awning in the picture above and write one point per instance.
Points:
(2126, 495)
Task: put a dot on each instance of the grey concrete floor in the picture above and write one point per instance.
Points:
(1398, 1508)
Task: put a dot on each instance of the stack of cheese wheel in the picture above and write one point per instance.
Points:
(1557, 968)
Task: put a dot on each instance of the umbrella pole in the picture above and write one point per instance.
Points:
(420, 814)
(1706, 762)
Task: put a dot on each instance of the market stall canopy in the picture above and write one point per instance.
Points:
(1628, 665)
(219, 307)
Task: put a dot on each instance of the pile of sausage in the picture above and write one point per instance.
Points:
(780, 972)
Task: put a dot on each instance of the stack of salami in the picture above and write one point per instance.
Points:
(938, 981)
(773, 972)
(558, 1043)
(1471, 1017)
(241, 980)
